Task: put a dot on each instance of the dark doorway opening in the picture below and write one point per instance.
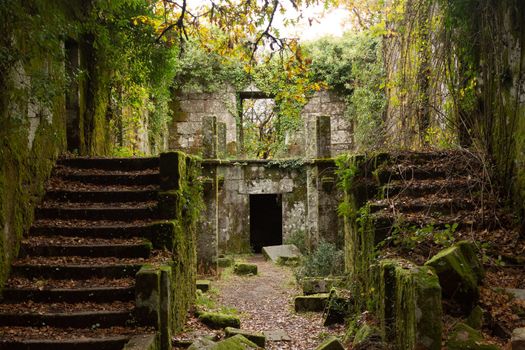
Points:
(266, 221)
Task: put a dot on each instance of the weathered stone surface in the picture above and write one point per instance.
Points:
(203, 285)
(277, 252)
(339, 307)
(218, 320)
(314, 302)
(315, 285)
(459, 272)
(464, 337)
(518, 339)
(142, 342)
(475, 319)
(237, 342)
(245, 269)
(202, 344)
(331, 343)
(147, 296)
(255, 337)
(277, 335)
(225, 262)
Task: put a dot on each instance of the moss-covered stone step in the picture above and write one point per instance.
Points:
(203, 285)
(245, 269)
(74, 271)
(113, 178)
(237, 342)
(101, 196)
(255, 337)
(218, 320)
(331, 343)
(464, 337)
(98, 213)
(314, 302)
(129, 164)
(98, 294)
(80, 319)
(132, 250)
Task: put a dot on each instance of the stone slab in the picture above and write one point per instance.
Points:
(277, 253)
(517, 293)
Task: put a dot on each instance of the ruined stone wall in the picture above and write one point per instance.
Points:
(237, 181)
(189, 112)
(327, 103)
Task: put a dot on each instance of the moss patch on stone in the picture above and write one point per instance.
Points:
(314, 302)
(245, 269)
(331, 343)
(464, 337)
(219, 321)
(255, 337)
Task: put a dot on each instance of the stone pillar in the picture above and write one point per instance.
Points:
(209, 137)
(317, 134)
(207, 240)
(221, 140)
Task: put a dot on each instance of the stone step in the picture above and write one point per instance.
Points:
(419, 188)
(75, 319)
(95, 294)
(110, 163)
(57, 270)
(82, 343)
(100, 213)
(430, 205)
(102, 229)
(112, 178)
(410, 173)
(62, 246)
(101, 196)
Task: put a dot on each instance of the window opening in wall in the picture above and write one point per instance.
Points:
(266, 221)
(259, 122)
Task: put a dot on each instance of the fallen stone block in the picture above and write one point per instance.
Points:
(202, 344)
(464, 337)
(142, 342)
(255, 337)
(314, 302)
(518, 339)
(367, 338)
(316, 285)
(282, 254)
(245, 269)
(237, 342)
(277, 335)
(338, 308)
(225, 262)
(331, 343)
(218, 321)
(460, 272)
(203, 285)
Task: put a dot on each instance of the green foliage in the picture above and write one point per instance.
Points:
(410, 237)
(325, 260)
(298, 238)
(353, 67)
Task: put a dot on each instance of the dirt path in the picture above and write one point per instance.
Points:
(265, 303)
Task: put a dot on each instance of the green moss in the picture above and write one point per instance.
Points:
(237, 342)
(218, 320)
(331, 343)
(255, 337)
(245, 269)
(464, 337)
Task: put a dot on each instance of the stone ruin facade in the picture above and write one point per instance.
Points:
(251, 203)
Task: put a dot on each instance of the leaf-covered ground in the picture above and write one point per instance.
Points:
(265, 303)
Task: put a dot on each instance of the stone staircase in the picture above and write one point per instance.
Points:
(73, 284)
(416, 195)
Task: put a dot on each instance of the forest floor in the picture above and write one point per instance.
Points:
(264, 303)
